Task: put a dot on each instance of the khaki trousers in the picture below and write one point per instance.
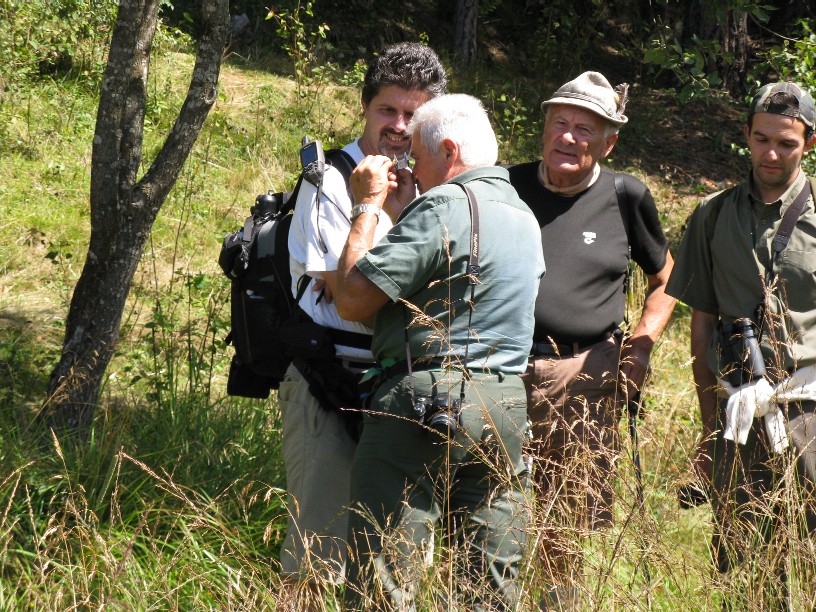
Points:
(317, 452)
(573, 406)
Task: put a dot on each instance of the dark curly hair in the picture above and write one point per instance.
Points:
(406, 65)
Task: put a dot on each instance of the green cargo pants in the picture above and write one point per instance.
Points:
(405, 478)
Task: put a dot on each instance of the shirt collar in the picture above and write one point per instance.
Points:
(786, 199)
(572, 190)
(480, 172)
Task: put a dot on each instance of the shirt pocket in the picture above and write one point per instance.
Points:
(798, 273)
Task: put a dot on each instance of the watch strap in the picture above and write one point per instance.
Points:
(359, 209)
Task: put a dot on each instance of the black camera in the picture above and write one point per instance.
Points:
(268, 204)
(740, 358)
(440, 413)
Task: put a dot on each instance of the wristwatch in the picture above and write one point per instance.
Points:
(359, 209)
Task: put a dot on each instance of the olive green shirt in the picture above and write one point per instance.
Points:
(721, 268)
(421, 265)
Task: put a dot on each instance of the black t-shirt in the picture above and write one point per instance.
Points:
(586, 252)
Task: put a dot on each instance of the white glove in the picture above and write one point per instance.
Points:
(744, 403)
(777, 429)
(755, 399)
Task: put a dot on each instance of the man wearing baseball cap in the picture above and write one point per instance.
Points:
(746, 267)
(582, 369)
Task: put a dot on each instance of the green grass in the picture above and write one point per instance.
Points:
(176, 501)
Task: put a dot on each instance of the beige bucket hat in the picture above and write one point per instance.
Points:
(593, 92)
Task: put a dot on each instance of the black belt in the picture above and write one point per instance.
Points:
(338, 336)
(558, 349)
(355, 365)
(351, 339)
(401, 367)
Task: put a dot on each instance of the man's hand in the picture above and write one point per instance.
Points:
(634, 365)
(322, 288)
(372, 179)
(399, 198)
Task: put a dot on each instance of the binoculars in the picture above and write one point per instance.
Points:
(740, 357)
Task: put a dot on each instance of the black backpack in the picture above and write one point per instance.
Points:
(256, 259)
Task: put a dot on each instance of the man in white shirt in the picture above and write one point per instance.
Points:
(317, 448)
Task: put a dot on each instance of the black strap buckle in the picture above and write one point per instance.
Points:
(549, 348)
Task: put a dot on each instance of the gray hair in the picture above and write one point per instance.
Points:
(462, 119)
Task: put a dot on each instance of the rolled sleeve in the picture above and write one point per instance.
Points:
(408, 256)
(691, 280)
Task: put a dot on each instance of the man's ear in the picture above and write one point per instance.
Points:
(610, 144)
(451, 151)
(747, 131)
(810, 142)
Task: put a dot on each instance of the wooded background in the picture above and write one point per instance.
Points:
(658, 43)
(175, 492)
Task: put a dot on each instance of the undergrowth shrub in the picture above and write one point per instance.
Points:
(42, 37)
(795, 60)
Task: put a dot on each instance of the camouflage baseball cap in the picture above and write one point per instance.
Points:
(593, 92)
(766, 101)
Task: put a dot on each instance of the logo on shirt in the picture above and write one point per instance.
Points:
(589, 237)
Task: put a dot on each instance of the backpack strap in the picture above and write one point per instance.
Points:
(623, 207)
(779, 244)
(303, 282)
(342, 161)
(789, 219)
(345, 165)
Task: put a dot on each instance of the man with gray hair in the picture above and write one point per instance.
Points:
(581, 369)
(317, 448)
(452, 286)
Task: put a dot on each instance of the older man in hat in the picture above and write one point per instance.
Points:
(746, 267)
(582, 367)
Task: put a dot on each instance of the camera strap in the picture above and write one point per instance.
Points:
(344, 163)
(789, 219)
(473, 270)
(780, 243)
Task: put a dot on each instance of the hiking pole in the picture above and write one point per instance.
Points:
(633, 411)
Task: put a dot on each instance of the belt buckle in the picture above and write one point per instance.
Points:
(354, 365)
(550, 349)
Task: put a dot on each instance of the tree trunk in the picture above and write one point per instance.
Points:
(697, 22)
(734, 37)
(465, 18)
(714, 21)
(123, 209)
